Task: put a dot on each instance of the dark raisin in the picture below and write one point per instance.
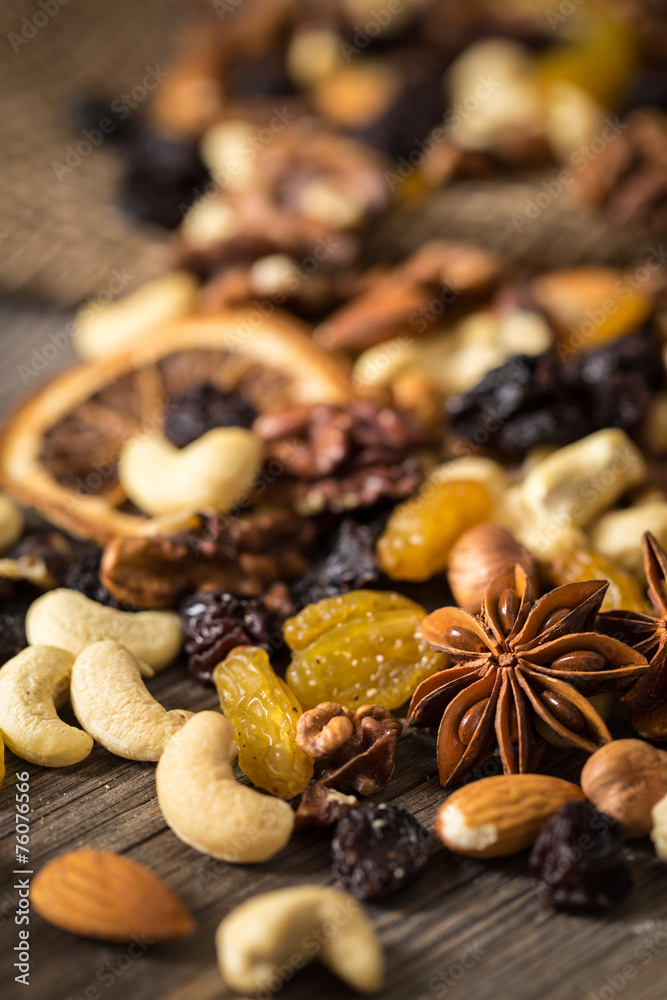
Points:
(553, 400)
(577, 860)
(163, 176)
(350, 564)
(12, 626)
(377, 849)
(84, 575)
(214, 623)
(202, 408)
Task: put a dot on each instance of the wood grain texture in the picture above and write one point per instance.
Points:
(468, 929)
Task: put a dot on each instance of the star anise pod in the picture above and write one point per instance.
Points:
(647, 634)
(519, 661)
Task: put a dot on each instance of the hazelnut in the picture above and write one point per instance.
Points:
(478, 556)
(625, 778)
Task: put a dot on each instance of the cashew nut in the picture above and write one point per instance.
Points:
(618, 534)
(578, 482)
(11, 522)
(212, 472)
(206, 807)
(69, 620)
(31, 684)
(264, 937)
(111, 702)
(103, 329)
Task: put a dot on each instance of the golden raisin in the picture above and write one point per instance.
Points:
(263, 712)
(357, 648)
(422, 531)
(583, 564)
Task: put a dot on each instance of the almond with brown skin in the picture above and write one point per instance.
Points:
(501, 815)
(102, 895)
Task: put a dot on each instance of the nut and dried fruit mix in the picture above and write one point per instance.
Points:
(352, 489)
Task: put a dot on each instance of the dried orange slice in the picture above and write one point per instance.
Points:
(60, 447)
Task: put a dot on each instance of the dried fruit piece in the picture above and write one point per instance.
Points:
(538, 401)
(378, 849)
(571, 297)
(103, 895)
(203, 407)
(578, 862)
(350, 564)
(359, 647)
(577, 565)
(264, 714)
(215, 622)
(421, 532)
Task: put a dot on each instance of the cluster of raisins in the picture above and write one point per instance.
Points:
(541, 400)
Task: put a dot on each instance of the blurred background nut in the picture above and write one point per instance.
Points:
(260, 937)
(102, 329)
(618, 534)
(209, 474)
(625, 779)
(478, 556)
(579, 481)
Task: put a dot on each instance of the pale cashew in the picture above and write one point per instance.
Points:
(103, 329)
(113, 705)
(578, 482)
(212, 472)
(69, 620)
(265, 938)
(11, 523)
(31, 684)
(618, 534)
(206, 807)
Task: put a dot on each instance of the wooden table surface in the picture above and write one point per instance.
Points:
(466, 929)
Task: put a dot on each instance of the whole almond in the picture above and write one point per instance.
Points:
(102, 895)
(501, 815)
